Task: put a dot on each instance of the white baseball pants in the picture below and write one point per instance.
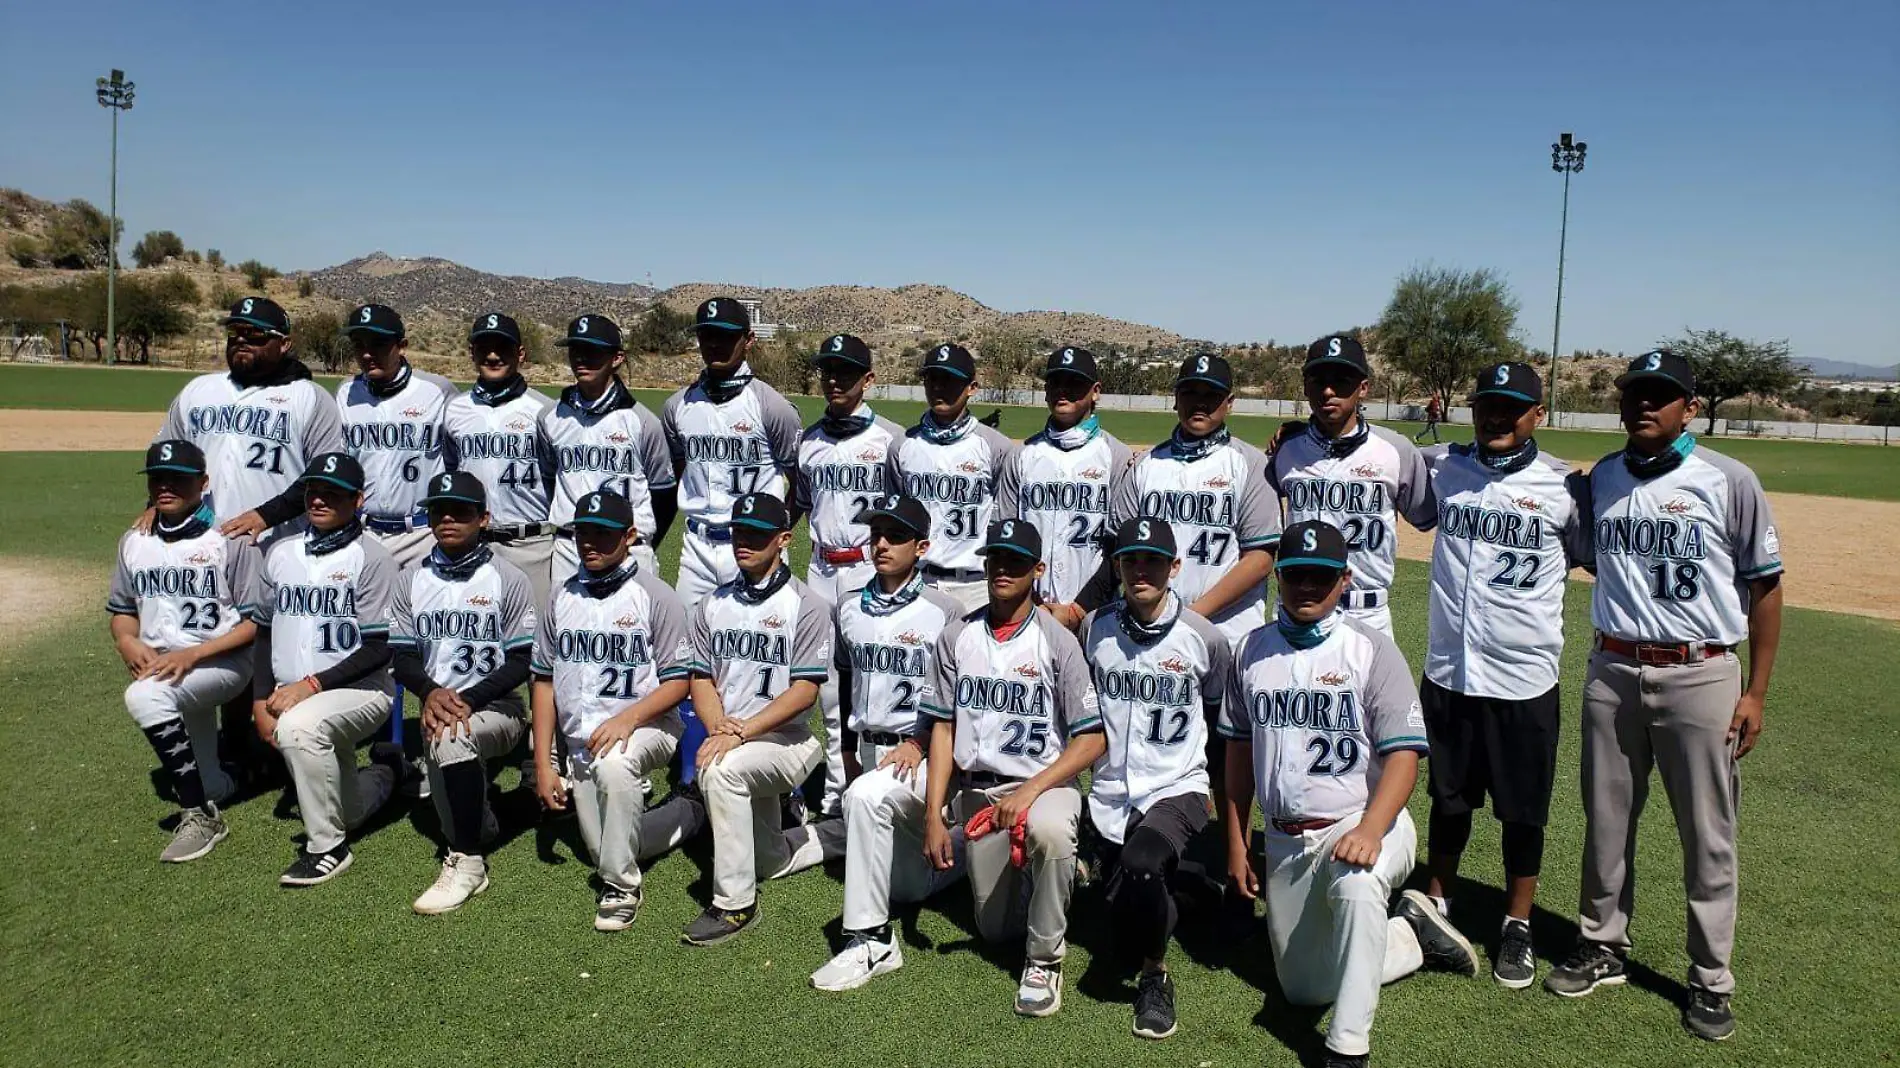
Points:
(490, 733)
(408, 548)
(996, 886)
(610, 806)
(972, 594)
(535, 558)
(195, 699)
(832, 583)
(318, 741)
(742, 794)
(884, 843)
(705, 565)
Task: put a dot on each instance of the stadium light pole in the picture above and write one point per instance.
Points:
(1566, 157)
(115, 93)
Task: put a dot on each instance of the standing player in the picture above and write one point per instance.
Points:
(392, 423)
(761, 644)
(729, 435)
(609, 672)
(1509, 529)
(1322, 717)
(180, 601)
(1063, 478)
(320, 679)
(1014, 723)
(462, 632)
(1351, 474)
(1160, 673)
(949, 461)
(1688, 566)
(885, 635)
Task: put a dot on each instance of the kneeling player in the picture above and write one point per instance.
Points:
(179, 599)
(1160, 672)
(610, 670)
(761, 645)
(1321, 715)
(1015, 724)
(885, 635)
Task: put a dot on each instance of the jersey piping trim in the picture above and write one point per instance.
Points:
(1409, 741)
(1763, 571)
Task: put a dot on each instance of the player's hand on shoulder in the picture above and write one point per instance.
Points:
(1292, 428)
(1069, 615)
(904, 760)
(1358, 846)
(250, 524)
(145, 521)
(172, 667)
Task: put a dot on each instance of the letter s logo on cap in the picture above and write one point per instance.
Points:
(837, 343)
(746, 504)
(1504, 374)
(943, 354)
(329, 465)
(1141, 532)
(442, 484)
(164, 452)
(363, 315)
(1311, 541)
(1200, 366)
(1332, 347)
(1655, 362)
(580, 325)
(245, 308)
(1009, 528)
(494, 321)
(593, 504)
(1068, 357)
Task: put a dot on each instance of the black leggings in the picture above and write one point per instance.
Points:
(1140, 903)
(1523, 842)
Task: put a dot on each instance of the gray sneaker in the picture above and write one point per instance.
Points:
(1591, 965)
(1707, 1015)
(1040, 992)
(616, 909)
(199, 831)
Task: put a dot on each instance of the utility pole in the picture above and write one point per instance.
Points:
(1566, 157)
(115, 93)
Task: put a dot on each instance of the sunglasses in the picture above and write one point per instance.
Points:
(253, 338)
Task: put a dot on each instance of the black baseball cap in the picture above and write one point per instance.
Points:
(1145, 534)
(846, 349)
(336, 468)
(375, 319)
(1206, 367)
(604, 508)
(1340, 349)
(261, 312)
(174, 454)
(1660, 363)
(951, 359)
(1518, 381)
(1070, 360)
(495, 324)
(1013, 535)
(1314, 543)
(722, 313)
(761, 510)
(897, 506)
(597, 331)
(457, 486)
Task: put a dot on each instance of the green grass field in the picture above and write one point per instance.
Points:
(1829, 469)
(113, 959)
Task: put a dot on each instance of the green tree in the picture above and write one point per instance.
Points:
(154, 310)
(536, 346)
(80, 237)
(662, 331)
(156, 246)
(1003, 356)
(318, 336)
(1727, 367)
(257, 274)
(214, 258)
(306, 285)
(1443, 325)
(25, 251)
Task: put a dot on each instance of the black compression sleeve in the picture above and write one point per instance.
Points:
(262, 682)
(666, 505)
(502, 681)
(410, 673)
(368, 658)
(284, 507)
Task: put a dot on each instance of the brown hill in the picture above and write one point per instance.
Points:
(430, 286)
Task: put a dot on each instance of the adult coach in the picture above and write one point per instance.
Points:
(729, 435)
(392, 423)
(1688, 566)
(1358, 477)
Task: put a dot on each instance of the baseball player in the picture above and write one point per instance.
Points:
(761, 644)
(180, 606)
(462, 632)
(604, 439)
(609, 672)
(730, 434)
(1509, 528)
(845, 461)
(949, 461)
(1322, 718)
(1015, 722)
(494, 432)
(1688, 566)
(392, 423)
(1160, 673)
(886, 633)
(320, 676)
(1063, 478)
(1355, 476)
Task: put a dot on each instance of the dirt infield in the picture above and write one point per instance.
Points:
(26, 430)
(40, 596)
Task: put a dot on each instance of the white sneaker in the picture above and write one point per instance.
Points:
(863, 960)
(1040, 992)
(462, 877)
(616, 909)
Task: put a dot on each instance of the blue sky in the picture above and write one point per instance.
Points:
(1231, 171)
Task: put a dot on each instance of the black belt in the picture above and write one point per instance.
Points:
(1301, 826)
(987, 778)
(958, 573)
(883, 737)
(710, 531)
(518, 532)
(395, 524)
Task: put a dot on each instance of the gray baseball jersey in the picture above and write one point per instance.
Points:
(1156, 696)
(184, 592)
(1321, 720)
(506, 446)
(256, 439)
(606, 653)
(1674, 554)
(1015, 701)
(462, 628)
(886, 656)
(320, 607)
(1362, 493)
(396, 437)
(1065, 492)
(836, 479)
(752, 651)
(622, 450)
(722, 452)
(956, 481)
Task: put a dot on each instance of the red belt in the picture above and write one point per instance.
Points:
(841, 557)
(1664, 653)
(1301, 826)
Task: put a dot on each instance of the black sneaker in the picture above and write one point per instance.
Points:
(1154, 1005)
(1347, 1060)
(1707, 1015)
(716, 925)
(313, 868)
(1445, 949)
(1516, 963)
(1591, 965)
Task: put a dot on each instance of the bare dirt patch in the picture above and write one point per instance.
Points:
(41, 595)
(32, 430)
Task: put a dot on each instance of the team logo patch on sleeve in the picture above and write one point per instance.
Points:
(1415, 717)
(682, 649)
(1771, 541)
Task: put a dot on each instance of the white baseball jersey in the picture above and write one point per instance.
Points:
(1065, 492)
(463, 628)
(606, 653)
(1219, 504)
(184, 592)
(836, 479)
(1362, 493)
(1156, 697)
(621, 450)
(752, 652)
(1506, 539)
(397, 438)
(883, 658)
(722, 452)
(505, 446)
(1674, 554)
(319, 608)
(1321, 720)
(256, 439)
(1015, 702)
(956, 481)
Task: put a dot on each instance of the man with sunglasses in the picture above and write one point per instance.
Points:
(392, 423)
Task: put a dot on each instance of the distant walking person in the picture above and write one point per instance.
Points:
(1434, 413)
